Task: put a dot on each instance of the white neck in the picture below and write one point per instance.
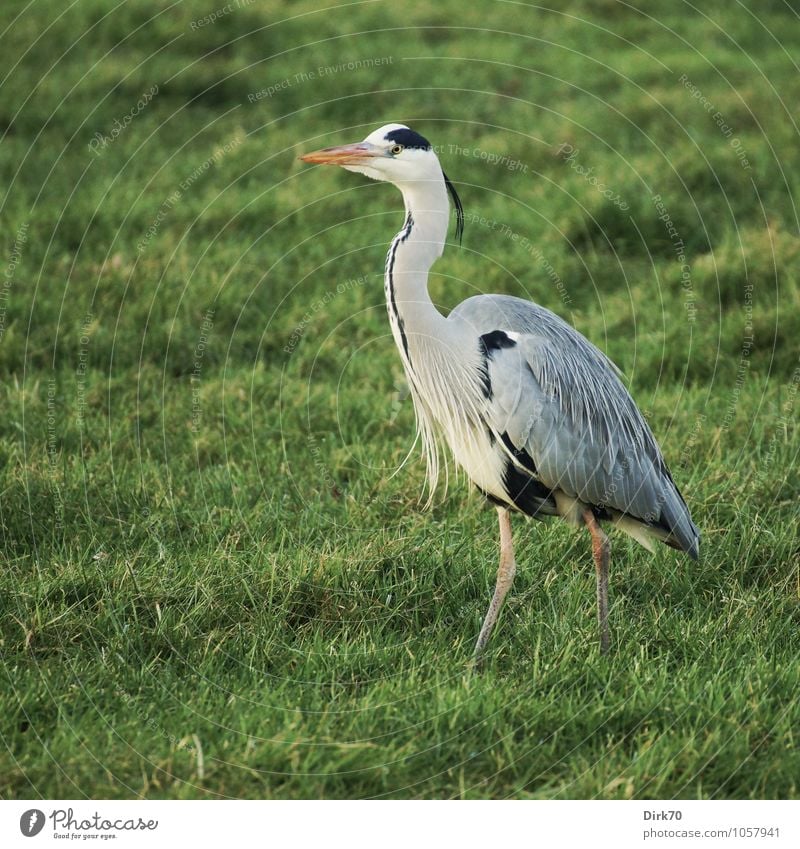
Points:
(416, 323)
(442, 360)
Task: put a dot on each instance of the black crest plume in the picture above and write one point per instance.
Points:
(457, 204)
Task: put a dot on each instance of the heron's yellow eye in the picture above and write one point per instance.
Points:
(395, 149)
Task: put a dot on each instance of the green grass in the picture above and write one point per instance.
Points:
(215, 580)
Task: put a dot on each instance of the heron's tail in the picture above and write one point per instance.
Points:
(681, 531)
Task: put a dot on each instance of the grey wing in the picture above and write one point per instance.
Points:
(557, 404)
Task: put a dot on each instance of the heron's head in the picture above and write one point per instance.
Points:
(393, 153)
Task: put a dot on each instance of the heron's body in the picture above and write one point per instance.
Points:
(533, 412)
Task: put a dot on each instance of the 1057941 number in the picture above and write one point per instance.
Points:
(756, 831)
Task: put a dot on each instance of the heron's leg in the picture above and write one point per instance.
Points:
(601, 548)
(505, 577)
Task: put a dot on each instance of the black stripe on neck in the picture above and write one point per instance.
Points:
(390, 259)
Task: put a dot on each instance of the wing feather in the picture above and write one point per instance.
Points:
(560, 399)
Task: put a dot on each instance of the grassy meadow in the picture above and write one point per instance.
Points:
(218, 577)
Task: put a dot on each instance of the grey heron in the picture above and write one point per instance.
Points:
(533, 412)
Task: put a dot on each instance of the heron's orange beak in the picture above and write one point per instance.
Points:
(347, 154)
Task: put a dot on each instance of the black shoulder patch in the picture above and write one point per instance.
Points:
(491, 342)
(496, 340)
(408, 138)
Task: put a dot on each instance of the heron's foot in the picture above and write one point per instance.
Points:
(605, 640)
(477, 663)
